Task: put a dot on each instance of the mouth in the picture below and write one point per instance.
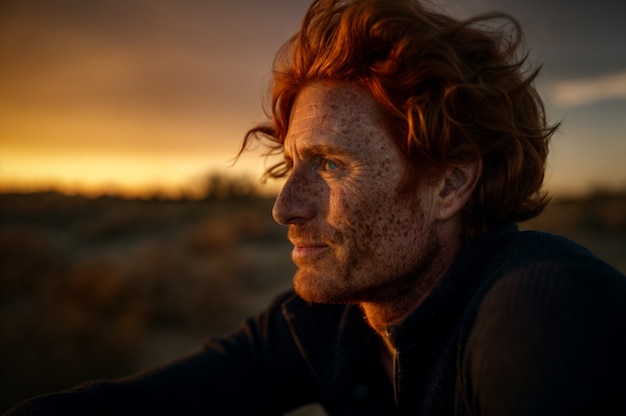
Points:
(301, 252)
(307, 250)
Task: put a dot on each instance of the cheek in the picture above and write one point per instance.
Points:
(363, 211)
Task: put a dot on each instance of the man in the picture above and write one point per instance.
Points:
(412, 143)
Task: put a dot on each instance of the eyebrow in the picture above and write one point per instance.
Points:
(322, 149)
(326, 149)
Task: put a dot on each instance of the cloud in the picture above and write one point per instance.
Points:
(583, 91)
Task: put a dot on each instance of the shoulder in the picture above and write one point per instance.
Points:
(549, 319)
(533, 266)
(550, 283)
(524, 247)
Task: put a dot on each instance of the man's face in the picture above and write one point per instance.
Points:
(355, 239)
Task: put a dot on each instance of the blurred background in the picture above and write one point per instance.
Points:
(133, 95)
(126, 236)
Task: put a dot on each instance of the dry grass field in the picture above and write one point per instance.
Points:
(103, 287)
(99, 288)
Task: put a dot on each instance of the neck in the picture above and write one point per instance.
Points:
(387, 311)
(382, 314)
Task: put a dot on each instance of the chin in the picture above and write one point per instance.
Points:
(327, 288)
(310, 293)
(315, 289)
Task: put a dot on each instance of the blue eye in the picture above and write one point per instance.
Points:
(329, 165)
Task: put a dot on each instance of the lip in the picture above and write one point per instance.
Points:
(301, 251)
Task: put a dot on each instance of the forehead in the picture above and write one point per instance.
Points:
(334, 112)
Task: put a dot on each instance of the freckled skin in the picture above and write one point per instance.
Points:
(356, 240)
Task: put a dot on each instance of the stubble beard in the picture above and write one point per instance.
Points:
(340, 279)
(320, 279)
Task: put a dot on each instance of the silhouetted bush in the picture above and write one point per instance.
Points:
(218, 186)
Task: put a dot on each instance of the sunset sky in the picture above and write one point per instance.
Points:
(130, 95)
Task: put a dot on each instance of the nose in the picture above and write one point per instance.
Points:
(295, 201)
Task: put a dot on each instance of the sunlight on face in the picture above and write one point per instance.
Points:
(354, 238)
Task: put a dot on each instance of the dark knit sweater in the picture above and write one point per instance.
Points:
(523, 323)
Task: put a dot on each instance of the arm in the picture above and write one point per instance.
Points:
(257, 370)
(547, 341)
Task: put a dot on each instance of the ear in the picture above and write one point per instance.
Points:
(455, 187)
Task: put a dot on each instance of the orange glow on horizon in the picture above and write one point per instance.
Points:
(131, 176)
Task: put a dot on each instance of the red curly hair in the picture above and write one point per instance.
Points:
(450, 92)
